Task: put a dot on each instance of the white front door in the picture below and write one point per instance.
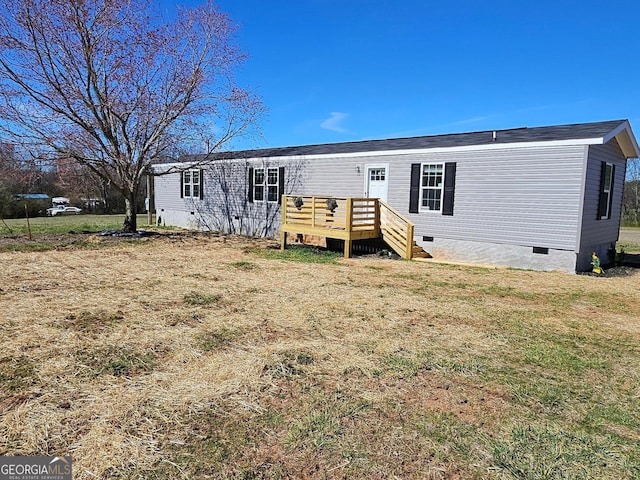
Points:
(377, 181)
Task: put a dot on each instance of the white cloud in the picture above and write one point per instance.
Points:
(473, 120)
(334, 122)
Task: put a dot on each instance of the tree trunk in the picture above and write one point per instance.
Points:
(105, 198)
(130, 214)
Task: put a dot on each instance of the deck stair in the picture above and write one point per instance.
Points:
(397, 232)
(418, 252)
(349, 219)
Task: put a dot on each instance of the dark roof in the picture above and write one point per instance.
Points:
(577, 131)
(515, 135)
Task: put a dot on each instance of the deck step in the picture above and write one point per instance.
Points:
(418, 252)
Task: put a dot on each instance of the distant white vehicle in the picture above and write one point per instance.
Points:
(63, 210)
(57, 201)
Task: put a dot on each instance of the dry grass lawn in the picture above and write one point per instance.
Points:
(195, 356)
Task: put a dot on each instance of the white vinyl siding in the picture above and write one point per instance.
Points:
(527, 196)
(520, 196)
(594, 231)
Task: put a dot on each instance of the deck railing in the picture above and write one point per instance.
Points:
(348, 219)
(336, 213)
(396, 230)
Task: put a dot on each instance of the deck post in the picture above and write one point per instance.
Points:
(348, 219)
(409, 253)
(283, 209)
(283, 215)
(348, 245)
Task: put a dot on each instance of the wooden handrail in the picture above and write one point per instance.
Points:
(392, 210)
(396, 230)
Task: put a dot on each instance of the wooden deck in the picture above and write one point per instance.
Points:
(346, 219)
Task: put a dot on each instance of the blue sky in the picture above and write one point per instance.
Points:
(342, 70)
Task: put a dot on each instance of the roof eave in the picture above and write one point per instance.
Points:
(625, 138)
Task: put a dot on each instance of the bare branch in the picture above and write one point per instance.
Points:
(115, 87)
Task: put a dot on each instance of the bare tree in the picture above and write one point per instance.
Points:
(16, 174)
(116, 87)
(631, 199)
(21, 174)
(7, 177)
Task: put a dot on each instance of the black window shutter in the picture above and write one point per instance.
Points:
(613, 177)
(250, 193)
(181, 184)
(603, 201)
(449, 188)
(201, 184)
(280, 183)
(414, 192)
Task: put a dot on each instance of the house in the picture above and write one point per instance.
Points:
(540, 198)
(31, 204)
(31, 197)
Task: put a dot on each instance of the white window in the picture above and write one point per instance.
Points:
(258, 184)
(606, 187)
(191, 184)
(377, 174)
(266, 184)
(272, 184)
(431, 186)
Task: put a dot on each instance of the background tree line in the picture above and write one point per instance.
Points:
(631, 198)
(21, 174)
